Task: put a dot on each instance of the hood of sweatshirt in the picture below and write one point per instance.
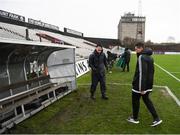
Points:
(146, 51)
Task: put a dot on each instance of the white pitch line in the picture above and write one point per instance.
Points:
(172, 95)
(175, 72)
(167, 72)
(156, 86)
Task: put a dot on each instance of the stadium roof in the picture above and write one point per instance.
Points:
(12, 41)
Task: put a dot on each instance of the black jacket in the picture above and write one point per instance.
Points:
(98, 62)
(126, 55)
(111, 56)
(144, 73)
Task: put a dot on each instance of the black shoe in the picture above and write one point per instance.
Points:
(132, 120)
(92, 97)
(105, 97)
(156, 122)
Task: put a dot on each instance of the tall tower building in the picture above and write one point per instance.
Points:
(131, 26)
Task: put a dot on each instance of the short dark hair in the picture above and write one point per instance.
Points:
(99, 45)
(139, 45)
(126, 49)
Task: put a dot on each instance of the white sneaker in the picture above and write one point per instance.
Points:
(132, 120)
(156, 122)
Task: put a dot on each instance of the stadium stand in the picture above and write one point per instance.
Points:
(32, 35)
(160, 48)
(77, 42)
(12, 31)
(104, 41)
(19, 32)
(50, 38)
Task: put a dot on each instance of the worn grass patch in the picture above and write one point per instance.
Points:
(77, 113)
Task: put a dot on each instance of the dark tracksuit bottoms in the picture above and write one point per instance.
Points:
(136, 104)
(126, 64)
(98, 77)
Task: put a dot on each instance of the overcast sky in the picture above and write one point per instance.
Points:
(100, 18)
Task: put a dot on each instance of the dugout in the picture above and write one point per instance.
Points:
(32, 76)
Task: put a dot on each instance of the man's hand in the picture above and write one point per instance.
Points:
(142, 92)
(95, 70)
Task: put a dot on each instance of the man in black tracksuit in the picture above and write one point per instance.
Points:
(98, 62)
(143, 84)
(127, 56)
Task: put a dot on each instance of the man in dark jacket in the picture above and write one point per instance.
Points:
(143, 84)
(110, 59)
(127, 56)
(98, 62)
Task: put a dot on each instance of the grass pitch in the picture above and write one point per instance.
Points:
(170, 63)
(77, 113)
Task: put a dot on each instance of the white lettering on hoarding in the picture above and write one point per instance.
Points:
(81, 67)
(12, 16)
(74, 32)
(42, 24)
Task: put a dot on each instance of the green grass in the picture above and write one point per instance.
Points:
(171, 63)
(77, 113)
